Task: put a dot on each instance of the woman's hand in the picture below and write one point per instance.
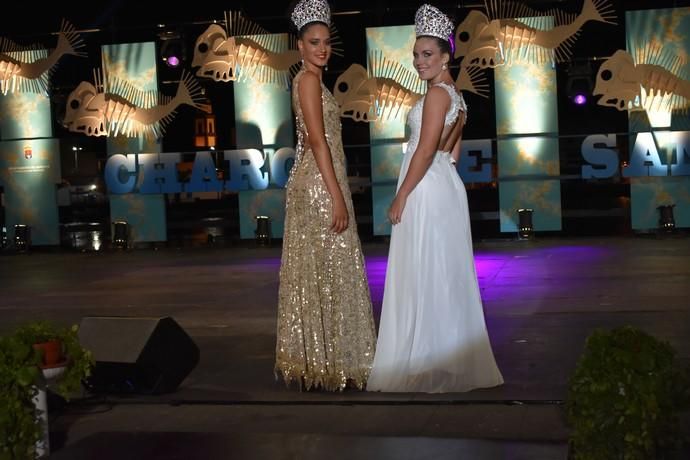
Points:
(396, 210)
(340, 216)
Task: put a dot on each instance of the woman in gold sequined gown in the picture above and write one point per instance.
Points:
(325, 333)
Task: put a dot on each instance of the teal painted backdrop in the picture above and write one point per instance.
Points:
(29, 166)
(29, 173)
(387, 137)
(263, 120)
(145, 213)
(25, 116)
(527, 129)
(669, 29)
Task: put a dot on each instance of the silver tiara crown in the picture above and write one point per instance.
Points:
(430, 21)
(307, 11)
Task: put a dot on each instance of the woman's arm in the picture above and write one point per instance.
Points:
(310, 101)
(436, 105)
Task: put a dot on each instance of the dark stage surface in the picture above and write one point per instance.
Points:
(542, 298)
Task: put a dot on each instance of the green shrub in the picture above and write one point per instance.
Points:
(624, 397)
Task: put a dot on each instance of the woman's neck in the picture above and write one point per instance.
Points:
(441, 77)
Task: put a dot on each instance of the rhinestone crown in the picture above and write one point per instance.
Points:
(430, 21)
(307, 11)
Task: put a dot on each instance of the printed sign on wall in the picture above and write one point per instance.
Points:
(29, 173)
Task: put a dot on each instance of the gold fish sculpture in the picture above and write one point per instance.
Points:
(389, 90)
(489, 43)
(385, 91)
(657, 82)
(245, 51)
(27, 69)
(113, 107)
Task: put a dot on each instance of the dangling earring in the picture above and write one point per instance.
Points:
(444, 66)
(325, 68)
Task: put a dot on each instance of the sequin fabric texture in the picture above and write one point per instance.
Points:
(325, 333)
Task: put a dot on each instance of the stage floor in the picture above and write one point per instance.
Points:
(542, 298)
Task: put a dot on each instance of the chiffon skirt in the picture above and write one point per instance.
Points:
(432, 336)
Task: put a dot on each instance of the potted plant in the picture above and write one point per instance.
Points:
(26, 355)
(625, 396)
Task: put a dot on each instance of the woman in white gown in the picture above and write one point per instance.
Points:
(432, 335)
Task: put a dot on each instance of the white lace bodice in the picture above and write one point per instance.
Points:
(414, 118)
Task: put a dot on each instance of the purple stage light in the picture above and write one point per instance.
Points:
(580, 99)
(172, 61)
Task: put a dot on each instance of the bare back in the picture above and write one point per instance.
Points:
(453, 123)
(452, 132)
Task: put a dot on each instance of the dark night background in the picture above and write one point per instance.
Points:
(589, 207)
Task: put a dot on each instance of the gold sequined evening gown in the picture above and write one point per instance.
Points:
(325, 333)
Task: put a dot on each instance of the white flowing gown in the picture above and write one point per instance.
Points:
(432, 335)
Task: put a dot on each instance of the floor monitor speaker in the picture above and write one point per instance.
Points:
(137, 354)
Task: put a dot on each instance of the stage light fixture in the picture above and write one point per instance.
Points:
(666, 220)
(263, 230)
(525, 227)
(580, 99)
(172, 49)
(579, 84)
(172, 61)
(120, 234)
(22, 237)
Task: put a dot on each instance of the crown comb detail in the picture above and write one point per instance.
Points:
(430, 21)
(307, 11)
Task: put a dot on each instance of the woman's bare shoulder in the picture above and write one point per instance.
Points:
(437, 98)
(309, 79)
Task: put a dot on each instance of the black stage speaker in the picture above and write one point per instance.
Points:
(137, 355)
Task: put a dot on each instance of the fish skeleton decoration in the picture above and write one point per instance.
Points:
(112, 107)
(385, 91)
(504, 40)
(245, 51)
(27, 69)
(388, 90)
(657, 82)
